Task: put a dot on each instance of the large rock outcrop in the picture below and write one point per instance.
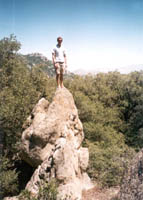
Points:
(132, 187)
(52, 142)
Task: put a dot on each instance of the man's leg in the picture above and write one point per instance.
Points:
(57, 74)
(58, 80)
(62, 69)
(61, 80)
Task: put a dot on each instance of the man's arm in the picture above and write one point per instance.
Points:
(65, 58)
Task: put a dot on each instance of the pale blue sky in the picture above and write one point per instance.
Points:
(100, 35)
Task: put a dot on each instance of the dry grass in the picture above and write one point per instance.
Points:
(101, 194)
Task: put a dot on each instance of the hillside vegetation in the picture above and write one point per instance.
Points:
(37, 60)
(110, 106)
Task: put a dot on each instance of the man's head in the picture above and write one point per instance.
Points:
(59, 40)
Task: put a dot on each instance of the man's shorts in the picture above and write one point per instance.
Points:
(60, 68)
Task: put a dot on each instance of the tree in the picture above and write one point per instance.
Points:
(100, 103)
(133, 93)
(20, 90)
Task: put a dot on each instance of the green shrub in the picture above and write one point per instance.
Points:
(48, 191)
(20, 90)
(8, 178)
(26, 195)
(107, 165)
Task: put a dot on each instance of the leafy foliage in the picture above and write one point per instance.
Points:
(8, 178)
(108, 164)
(37, 60)
(134, 110)
(41, 62)
(26, 195)
(47, 191)
(101, 104)
(20, 89)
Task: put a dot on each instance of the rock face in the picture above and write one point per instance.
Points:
(132, 187)
(51, 142)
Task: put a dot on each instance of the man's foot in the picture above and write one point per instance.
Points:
(59, 87)
(62, 86)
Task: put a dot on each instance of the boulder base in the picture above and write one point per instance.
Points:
(52, 143)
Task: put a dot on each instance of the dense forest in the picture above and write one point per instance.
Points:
(110, 106)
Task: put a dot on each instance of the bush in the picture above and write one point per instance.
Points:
(48, 191)
(20, 90)
(26, 195)
(8, 178)
(101, 105)
(107, 165)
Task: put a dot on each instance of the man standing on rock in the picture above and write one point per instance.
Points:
(59, 61)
